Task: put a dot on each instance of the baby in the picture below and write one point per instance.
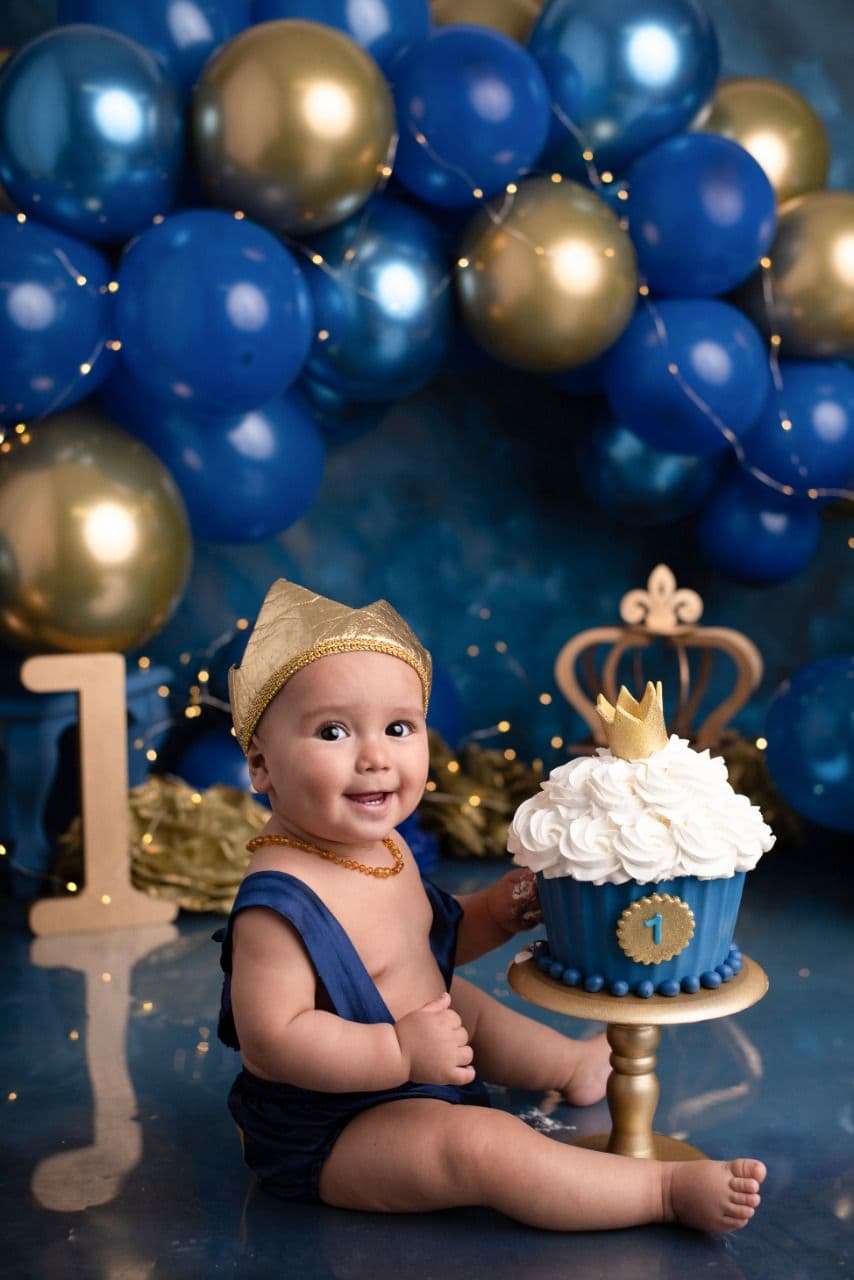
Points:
(363, 1056)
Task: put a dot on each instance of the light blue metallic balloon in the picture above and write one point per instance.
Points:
(640, 485)
(625, 74)
(810, 732)
(382, 27)
(244, 477)
(481, 104)
(182, 34)
(91, 133)
(56, 316)
(382, 296)
(753, 534)
(212, 312)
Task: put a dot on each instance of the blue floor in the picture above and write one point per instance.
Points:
(120, 1160)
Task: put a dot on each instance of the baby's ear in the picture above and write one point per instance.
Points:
(257, 762)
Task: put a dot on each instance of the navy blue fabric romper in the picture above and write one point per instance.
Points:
(287, 1131)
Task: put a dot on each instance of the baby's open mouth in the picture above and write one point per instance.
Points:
(370, 799)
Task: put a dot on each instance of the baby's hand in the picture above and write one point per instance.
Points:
(513, 901)
(435, 1044)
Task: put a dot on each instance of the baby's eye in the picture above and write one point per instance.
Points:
(399, 729)
(332, 732)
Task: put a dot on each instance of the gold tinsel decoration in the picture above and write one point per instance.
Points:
(187, 846)
(474, 800)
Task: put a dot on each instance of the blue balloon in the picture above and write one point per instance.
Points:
(638, 484)
(815, 449)
(383, 27)
(55, 319)
(243, 478)
(229, 654)
(752, 534)
(213, 312)
(91, 133)
(702, 213)
(339, 419)
(383, 299)
(622, 76)
(473, 113)
(810, 732)
(182, 34)
(718, 357)
(214, 758)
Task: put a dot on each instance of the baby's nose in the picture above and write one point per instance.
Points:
(374, 754)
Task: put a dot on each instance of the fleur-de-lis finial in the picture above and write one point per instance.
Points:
(662, 609)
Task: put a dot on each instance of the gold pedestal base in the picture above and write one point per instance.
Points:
(633, 1087)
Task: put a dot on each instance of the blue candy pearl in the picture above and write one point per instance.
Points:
(668, 988)
(544, 961)
(735, 963)
(571, 977)
(691, 984)
(555, 969)
(645, 989)
(726, 971)
(619, 988)
(594, 983)
(710, 979)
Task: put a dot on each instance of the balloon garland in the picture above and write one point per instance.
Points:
(588, 197)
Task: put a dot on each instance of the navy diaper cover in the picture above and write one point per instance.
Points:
(288, 1132)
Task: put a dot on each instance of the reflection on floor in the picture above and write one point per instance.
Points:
(120, 1159)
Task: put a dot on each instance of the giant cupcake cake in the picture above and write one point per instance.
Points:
(640, 852)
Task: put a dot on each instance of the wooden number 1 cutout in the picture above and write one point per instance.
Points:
(108, 899)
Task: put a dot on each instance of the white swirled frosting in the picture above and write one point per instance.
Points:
(607, 820)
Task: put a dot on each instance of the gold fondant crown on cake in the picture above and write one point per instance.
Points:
(634, 730)
(295, 627)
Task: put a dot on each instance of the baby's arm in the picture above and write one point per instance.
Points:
(284, 1037)
(494, 914)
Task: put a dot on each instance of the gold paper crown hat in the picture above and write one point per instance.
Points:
(295, 627)
(634, 730)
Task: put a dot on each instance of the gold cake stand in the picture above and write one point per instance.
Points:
(634, 1032)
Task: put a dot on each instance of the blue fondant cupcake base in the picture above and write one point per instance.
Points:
(581, 927)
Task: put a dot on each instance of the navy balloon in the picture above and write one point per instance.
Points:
(810, 732)
(339, 419)
(473, 114)
(622, 76)
(381, 296)
(382, 27)
(638, 484)
(213, 312)
(55, 319)
(804, 437)
(182, 34)
(678, 355)
(228, 654)
(214, 758)
(703, 212)
(243, 478)
(91, 133)
(752, 534)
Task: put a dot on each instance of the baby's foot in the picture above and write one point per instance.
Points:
(590, 1072)
(712, 1195)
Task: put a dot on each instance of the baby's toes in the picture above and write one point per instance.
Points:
(748, 1186)
(744, 1197)
(748, 1170)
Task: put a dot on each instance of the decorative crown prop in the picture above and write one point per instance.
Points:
(634, 730)
(295, 627)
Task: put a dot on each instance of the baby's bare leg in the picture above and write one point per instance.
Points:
(513, 1050)
(421, 1154)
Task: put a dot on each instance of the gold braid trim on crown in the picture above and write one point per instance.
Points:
(280, 678)
(634, 729)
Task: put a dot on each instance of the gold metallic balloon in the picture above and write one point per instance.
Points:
(808, 297)
(778, 127)
(292, 123)
(94, 539)
(514, 18)
(548, 279)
